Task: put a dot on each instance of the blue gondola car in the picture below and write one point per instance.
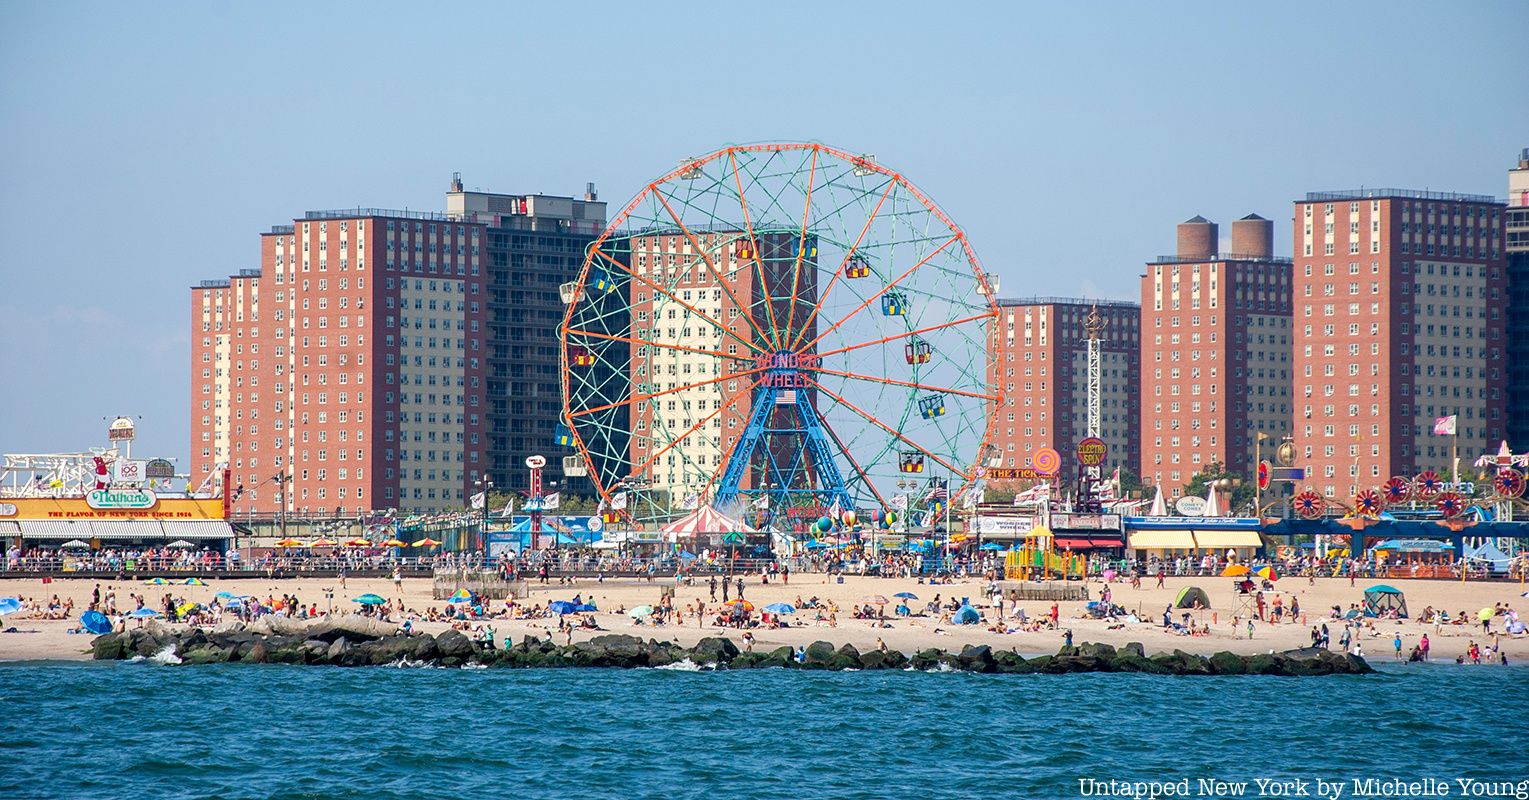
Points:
(563, 435)
(894, 304)
(932, 406)
(602, 280)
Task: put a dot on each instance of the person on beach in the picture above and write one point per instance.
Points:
(1250, 627)
(1424, 644)
(398, 579)
(1397, 643)
(714, 588)
(726, 587)
(1161, 574)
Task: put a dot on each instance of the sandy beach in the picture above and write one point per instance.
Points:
(49, 639)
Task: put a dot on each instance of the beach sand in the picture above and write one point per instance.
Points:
(48, 639)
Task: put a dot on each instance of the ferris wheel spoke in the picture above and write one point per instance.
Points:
(692, 309)
(823, 298)
(748, 224)
(638, 398)
(712, 267)
(697, 426)
(878, 423)
(865, 477)
(651, 343)
(910, 384)
(906, 334)
(801, 244)
(883, 290)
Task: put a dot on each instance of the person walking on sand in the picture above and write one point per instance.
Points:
(1424, 644)
(726, 587)
(740, 587)
(1161, 574)
(1397, 643)
(1054, 614)
(398, 579)
(1250, 627)
(714, 588)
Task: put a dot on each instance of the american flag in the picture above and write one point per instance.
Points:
(940, 491)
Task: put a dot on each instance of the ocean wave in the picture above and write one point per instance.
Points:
(686, 665)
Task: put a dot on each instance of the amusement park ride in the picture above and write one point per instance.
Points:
(784, 328)
(1455, 503)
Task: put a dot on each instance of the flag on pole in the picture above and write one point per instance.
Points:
(552, 501)
(972, 497)
(899, 502)
(834, 511)
(939, 492)
(618, 501)
(509, 508)
(1444, 426)
(478, 500)
(691, 502)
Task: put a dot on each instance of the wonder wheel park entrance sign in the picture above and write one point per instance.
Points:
(119, 499)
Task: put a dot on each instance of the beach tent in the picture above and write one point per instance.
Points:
(1495, 559)
(966, 615)
(1188, 595)
(704, 520)
(1379, 599)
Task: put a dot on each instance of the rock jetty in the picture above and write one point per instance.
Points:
(357, 641)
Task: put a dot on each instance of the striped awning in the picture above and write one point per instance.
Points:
(196, 529)
(9, 529)
(1163, 540)
(1214, 540)
(61, 529)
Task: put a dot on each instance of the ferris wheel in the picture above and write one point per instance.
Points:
(777, 330)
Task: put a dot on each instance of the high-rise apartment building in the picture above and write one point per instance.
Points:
(1215, 352)
(1400, 320)
(534, 244)
(347, 372)
(1517, 306)
(1041, 358)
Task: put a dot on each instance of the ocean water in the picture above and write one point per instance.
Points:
(146, 730)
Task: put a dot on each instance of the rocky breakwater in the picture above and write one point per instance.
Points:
(358, 641)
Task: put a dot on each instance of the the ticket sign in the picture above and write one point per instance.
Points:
(1015, 474)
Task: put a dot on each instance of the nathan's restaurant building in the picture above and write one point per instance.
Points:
(115, 518)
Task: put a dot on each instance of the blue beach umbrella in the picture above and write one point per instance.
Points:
(369, 599)
(906, 595)
(143, 613)
(95, 622)
(780, 608)
(9, 605)
(460, 596)
(226, 596)
(562, 607)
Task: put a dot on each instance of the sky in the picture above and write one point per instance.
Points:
(144, 146)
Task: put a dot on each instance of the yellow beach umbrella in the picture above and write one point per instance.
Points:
(1234, 571)
(321, 542)
(359, 542)
(425, 542)
(393, 543)
(289, 542)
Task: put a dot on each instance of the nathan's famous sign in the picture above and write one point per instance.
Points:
(112, 504)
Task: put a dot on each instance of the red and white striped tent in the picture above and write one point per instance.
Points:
(704, 520)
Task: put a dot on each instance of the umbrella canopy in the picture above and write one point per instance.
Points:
(289, 542)
(225, 595)
(744, 604)
(369, 599)
(906, 595)
(460, 596)
(9, 605)
(1234, 571)
(991, 546)
(156, 581)
(75, 544)
(1267, 573)
(181, 544)
(193, 582)
(875, 599)
(143, 613)
(95, 622)
(322, 542)
(1486, 614)
(562, 607)
(640, 611)
(359, 542)
(780, 608)
(425, 542)
(393, 543)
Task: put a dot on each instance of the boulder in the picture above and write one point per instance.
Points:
(713, 650)
(1224, 663)
(257, 653)
(818, 655)
(1135, 649)
(1096, 650)
(454, 645)
(1010, 662)
(1264, 664)
(977, 658)
(108, 647)
(927, 659)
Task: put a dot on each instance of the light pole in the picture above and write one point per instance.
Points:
(485, 486)
(281, 479)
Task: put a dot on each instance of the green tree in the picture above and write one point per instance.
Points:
(1130, 483)
(1241, 493)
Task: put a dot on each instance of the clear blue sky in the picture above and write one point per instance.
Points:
(143, 146)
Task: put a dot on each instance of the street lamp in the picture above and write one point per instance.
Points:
(281, 479)
(485, 486)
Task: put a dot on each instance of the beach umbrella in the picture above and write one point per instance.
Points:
(640, 611)
(780, 608)
(186, 608)
(181, 544)
(369, 599)
(746, 605)
(9, 605)
(143, 613)
(1485, 614)
(193, 582)
(875, 600)
(322, 542)
(906, 595)
(425, 542)
(359, 542)
(156, 581)
(1234, 571)
(562, 607)
(289, 542)
(394, 543)
(1267, 573)
(75, 544)
(95, 622)
(460, 596)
